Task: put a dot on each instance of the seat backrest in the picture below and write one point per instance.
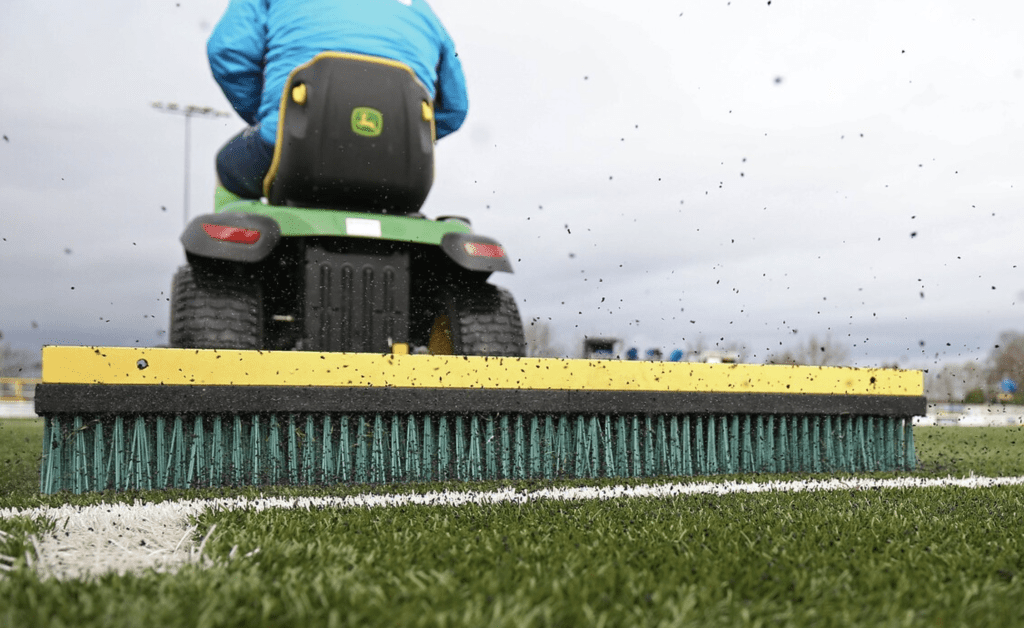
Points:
(355, 133)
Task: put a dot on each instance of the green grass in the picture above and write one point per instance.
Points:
(959, 451)
(21, 446)
(891, 558)
(908, 557)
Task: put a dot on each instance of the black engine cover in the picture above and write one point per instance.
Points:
(356, 297)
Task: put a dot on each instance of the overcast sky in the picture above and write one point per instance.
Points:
(664, 172)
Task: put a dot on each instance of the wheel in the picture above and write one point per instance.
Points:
(214, 310)
(483, 320)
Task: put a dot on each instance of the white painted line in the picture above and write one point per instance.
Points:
(122, 538)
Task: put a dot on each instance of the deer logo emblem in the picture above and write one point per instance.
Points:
(367, 121)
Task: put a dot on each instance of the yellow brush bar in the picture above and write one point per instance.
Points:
(203, 367)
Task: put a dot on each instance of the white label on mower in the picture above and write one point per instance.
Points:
(366, 227)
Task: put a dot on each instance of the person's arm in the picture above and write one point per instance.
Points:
(451, 102)
(236, 49)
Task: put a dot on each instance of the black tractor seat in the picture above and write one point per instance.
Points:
(356, 133)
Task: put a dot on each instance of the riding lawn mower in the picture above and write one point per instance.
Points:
(339, 257)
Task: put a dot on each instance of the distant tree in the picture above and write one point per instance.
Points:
(975, 396)
(940, 384)
(540, 341)
(952, 382)
(18, 362)
(696, 346)
(814, 352)
(738, 348)
(1006, 360)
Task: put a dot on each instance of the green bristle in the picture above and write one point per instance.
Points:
(328, 448)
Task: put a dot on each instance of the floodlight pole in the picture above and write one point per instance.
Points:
(188, 111)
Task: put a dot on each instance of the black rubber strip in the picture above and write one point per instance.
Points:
(159, 399)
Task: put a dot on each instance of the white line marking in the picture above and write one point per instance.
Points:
(93, 540)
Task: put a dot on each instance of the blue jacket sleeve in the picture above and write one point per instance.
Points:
(237, 49)
(451, 102)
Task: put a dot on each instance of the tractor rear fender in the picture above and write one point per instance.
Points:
(231, 236)
(476, 252)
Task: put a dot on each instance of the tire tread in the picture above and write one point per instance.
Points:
(214, 311)
(486, 322)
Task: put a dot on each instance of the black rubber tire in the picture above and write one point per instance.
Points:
(215, 310)
(484, 320)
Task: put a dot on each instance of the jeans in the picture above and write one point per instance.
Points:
(243, 162)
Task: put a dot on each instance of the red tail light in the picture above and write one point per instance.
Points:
(476, 249)
(231, 234)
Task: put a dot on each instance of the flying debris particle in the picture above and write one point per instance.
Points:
(67, 251)
(6, 139)
(778, 80)
(163, 208)
(913, 234)
(35, 325)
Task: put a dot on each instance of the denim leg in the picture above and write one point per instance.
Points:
(243, 163)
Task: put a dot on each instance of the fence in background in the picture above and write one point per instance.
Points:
(17, 397)
(971, 415)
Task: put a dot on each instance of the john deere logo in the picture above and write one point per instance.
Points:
(367, 121)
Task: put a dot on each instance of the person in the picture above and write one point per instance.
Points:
(257, 43)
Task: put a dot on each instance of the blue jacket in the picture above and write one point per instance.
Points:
(257, 44)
